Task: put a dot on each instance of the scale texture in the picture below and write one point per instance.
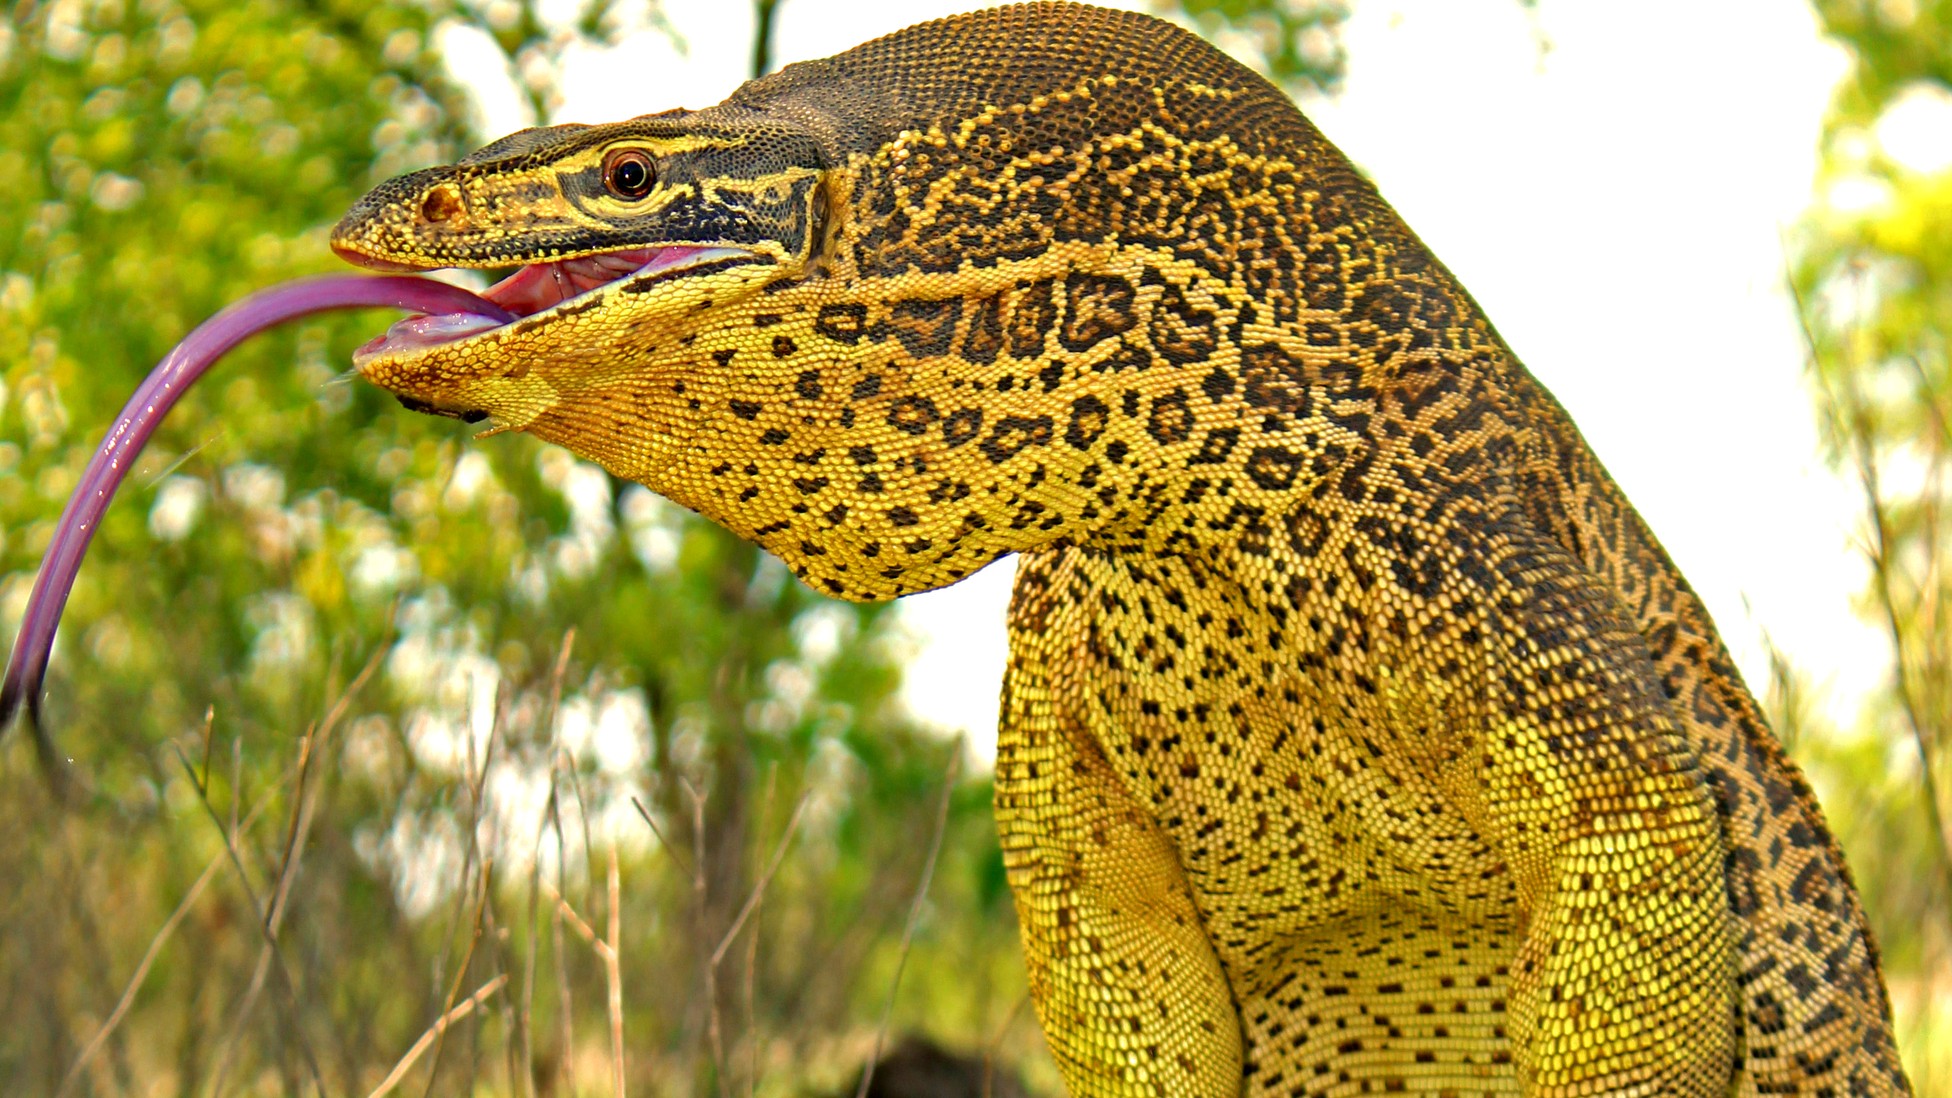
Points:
(1358, 735)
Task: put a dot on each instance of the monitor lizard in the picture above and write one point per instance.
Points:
(1357, 734)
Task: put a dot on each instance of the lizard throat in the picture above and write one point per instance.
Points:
(541, 287)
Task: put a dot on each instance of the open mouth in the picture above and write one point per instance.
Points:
(541, 287)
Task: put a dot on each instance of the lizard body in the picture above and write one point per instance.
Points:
(1358, 735)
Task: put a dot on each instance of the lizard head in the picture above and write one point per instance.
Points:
(900, 312)
(617, 230)
(697, 311)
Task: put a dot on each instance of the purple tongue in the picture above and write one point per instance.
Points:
(158, 393)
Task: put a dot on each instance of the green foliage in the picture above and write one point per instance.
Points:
(1890, 45)
(287, 528)
(1296, 39)
(1873, 270)
(161, 163)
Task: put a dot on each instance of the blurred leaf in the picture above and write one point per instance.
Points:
(1873, 274)
(1296, 40)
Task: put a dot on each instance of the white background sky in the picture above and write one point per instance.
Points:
(1609, 178)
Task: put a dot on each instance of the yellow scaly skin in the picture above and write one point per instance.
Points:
(1358, 736)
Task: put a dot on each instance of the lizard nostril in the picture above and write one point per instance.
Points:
(440, 204)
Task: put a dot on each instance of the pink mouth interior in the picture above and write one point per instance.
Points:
(544, 285)
(529, 291)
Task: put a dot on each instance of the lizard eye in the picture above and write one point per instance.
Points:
(629, 173)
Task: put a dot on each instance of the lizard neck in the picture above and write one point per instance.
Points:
(1176, 416)
(1083, 314)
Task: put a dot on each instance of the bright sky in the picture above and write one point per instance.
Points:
(1610, 178)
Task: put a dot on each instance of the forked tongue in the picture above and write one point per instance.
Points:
(449, 311)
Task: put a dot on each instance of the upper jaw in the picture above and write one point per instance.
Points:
(542, 288)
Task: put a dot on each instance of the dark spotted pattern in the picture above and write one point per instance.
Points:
(1096, 307)
(1358, 736)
